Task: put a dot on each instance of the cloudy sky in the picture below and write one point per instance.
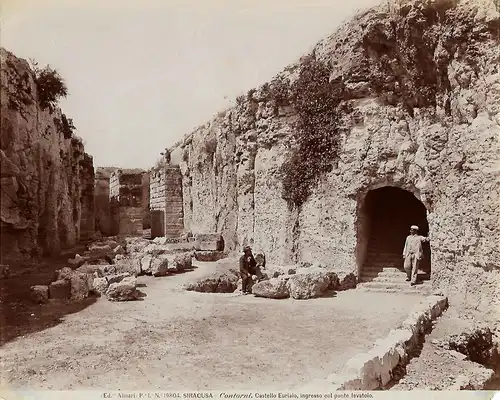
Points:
(141, 74)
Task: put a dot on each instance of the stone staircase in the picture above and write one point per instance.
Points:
(383, 272)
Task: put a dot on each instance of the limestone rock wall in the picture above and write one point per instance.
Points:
(46, 178)
(102, 207)
(421, 92)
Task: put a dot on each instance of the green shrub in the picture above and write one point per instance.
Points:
(316, 135)
(50, 86)
(64, 126)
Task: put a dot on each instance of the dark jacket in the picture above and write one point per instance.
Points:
(247, 266)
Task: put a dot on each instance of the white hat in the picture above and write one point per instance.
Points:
(414, 227)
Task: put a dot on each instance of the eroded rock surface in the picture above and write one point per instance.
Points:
(46, 179)
(416, 107)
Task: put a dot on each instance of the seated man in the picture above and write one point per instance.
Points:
(248, 270)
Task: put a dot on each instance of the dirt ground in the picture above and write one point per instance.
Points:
(175, 339)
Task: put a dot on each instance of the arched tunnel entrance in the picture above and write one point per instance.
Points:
(384, 223)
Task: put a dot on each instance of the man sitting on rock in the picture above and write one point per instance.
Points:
(412, 254)
(248, 270)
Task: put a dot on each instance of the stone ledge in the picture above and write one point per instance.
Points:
(374, 369)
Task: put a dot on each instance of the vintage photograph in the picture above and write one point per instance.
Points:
(282, 196)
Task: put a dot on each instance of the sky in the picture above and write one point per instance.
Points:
(142, 74)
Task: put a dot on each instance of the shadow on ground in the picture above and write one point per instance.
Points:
(19, 316)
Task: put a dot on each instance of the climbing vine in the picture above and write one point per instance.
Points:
(316, 135)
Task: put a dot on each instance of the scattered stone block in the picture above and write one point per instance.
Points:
(77, 261)
(309, 285)
(209, 256)
(39, 294)
(126, 290)
(107, 269)
(115, 278)
(345, 281)
(100, 285)
(182, 261)
(275, 288)
(91, 269)
(159, 266)
(60, 289)
(211, 241)
(81, 283)
(206, 285)
(227, 284)
(146, 264)
(119, 250)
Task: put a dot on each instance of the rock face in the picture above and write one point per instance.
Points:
(46, 177)
(413, 96)
(101, 195)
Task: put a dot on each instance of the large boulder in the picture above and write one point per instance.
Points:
(92, 269)
(181, 261)
(307, 285)
(227, 283)
(60, 289)
(159, 266)
(136, 244)
(275, 288)
(81, 283)
(115, 278)
(155, 249)
(39, 294)
(119, 250)
(129, 265)
(77, 261)
(100, 250)
(345, 281)
(108, 269)
(205, 285)
(209, 255)
(145, 262)
(126, 290)
(100, 285)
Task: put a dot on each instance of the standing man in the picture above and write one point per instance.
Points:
(413, 253)
(248, 270)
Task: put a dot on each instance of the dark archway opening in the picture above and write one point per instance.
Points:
(386, 216)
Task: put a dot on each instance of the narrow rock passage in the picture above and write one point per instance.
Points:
(175, 339)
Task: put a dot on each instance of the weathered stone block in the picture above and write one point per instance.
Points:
(213, 241)
(159, 266)
(39, 294)
(100, 285)
(309, 285)
(115, 278)
(77, 261)
(209, 256)
(81, 284)
(126, 290)
(146, 264)
(60, 289)
(275, 288)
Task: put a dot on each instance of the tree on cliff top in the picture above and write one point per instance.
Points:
(50, 86)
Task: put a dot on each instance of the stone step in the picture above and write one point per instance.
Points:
(391, 279)
(410, 290)
(393, 285)
(381, 269)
